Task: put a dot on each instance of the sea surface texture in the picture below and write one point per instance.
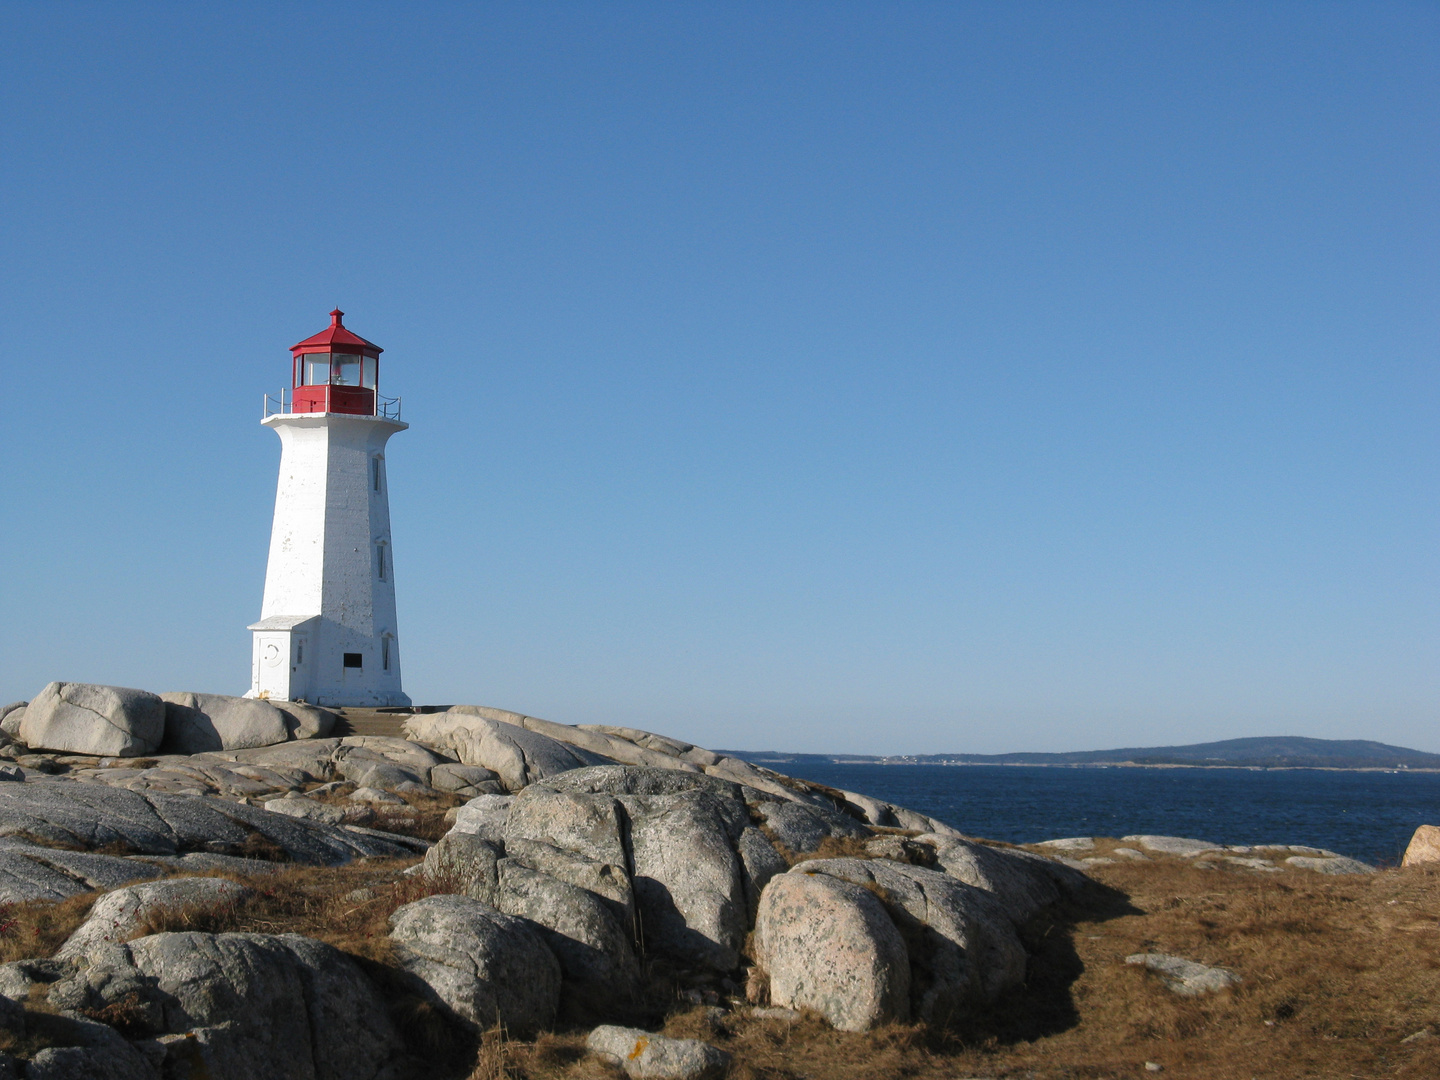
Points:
(1366, 815)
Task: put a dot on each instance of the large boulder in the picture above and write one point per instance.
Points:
(378, 761)
(283, 1007)
(94, 1052)
(829, 945)
(518, 756)
(484, 816)
(465, 864)
(963, 948)
(483, 966)
(117, 915)
(801, 827)
(1021, 881)
(1424, 846)
(11, 716)
(465, 780)
(200, 723)
(601, 973)
(588, 824)
(689, 879)
(83, 718)
(306, 721)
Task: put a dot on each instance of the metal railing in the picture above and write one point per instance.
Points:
(387, 408)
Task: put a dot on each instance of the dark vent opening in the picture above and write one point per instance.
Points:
(354, 659)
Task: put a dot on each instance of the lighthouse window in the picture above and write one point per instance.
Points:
(317, 369)
(354, 659)
(385, 653)
(380, 559)
(367, 367)
(375, 473)
(344, 369)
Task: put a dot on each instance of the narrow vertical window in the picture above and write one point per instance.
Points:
(375, 473)
(385, 653)
(380, 559)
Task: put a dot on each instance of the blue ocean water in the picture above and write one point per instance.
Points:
(1366, 815)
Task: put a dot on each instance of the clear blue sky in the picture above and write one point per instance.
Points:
(870, 377)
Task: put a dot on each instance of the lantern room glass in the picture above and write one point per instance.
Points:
(317, 369)
(337, 369)
(344, 369)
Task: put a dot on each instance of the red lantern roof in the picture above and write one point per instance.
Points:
(335, 338)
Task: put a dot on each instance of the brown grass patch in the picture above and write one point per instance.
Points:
(38, 929)
(1338, 971)
(831, 847)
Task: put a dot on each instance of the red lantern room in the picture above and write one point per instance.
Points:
(335, 372)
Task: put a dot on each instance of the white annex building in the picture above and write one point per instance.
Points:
(327, 633)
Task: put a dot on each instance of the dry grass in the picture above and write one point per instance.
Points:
(28, 930)
(1338, 971)
(422, 815)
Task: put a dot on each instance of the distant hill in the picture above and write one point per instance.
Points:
(1284, 751)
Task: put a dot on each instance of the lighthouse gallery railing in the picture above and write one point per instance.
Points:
(284, 405)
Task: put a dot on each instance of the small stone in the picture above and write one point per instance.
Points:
(775, 1012)
(375, 796)
(1154, 1066)
(1185, 977)
(644, 1056)
(1070, 843)
(1336, 865)
(1173, 845)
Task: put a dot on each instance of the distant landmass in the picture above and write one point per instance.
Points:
(1277, 752)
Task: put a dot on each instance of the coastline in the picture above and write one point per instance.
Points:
(770, 762)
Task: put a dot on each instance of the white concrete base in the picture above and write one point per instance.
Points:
(327, 632)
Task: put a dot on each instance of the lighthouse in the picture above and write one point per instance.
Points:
(327, 631)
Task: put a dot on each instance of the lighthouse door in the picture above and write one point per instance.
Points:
(273, 664)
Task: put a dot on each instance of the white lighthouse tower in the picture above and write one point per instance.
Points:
(327, 633)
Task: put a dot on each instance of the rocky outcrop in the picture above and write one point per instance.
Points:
(83, 718)
(644, 1056)
(483, 966)
(117, 915)
(1256, 858)
(829, 945)
(517, 756)
(30, 872)
(1022, 882)
(679, 835)
(248, 1005)
(95, 1052)
(198, 723)
(90, 816)
(484, 816)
